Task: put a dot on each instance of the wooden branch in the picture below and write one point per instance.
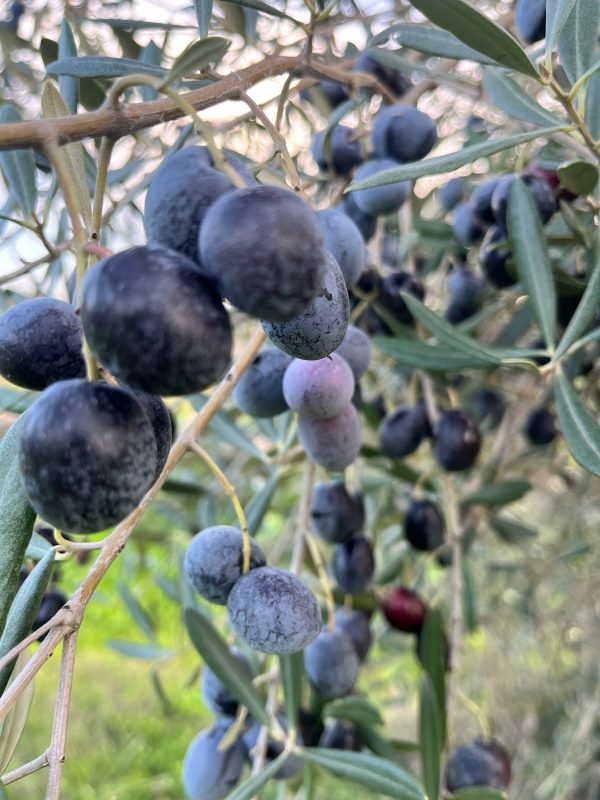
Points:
(124, 120)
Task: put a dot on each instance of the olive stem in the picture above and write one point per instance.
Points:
(317, 557)
(229, 490)
(104, 156)
(456, 632)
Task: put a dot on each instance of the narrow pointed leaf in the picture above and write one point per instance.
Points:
(215, 653)
(511, 531)
(507, 95)
(588, 305)
(23, 611)
(53, 105)
(16, 719)
(436, 42)
(580, 428)
(429, 738)
(150, 54)
(18, 168)
(38, 547)
(138, 615)
(252, 787)
(448, 334)
(530, 255)
(102, 67)
(578, 38)
(258, 5)
(421, 355)
(67, 48)
(203, 14)
(433, 655)
(579, 177)
(16, 518)
(592, 104)
(477, 31)
(356, 709)
(291, 668)
(196, 56)
(497, 494)
(557, 13)
(375, 773)
(145, 652)
(450, 162)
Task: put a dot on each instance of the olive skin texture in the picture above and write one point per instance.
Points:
(213, 561)
(530, 20)
(260, 271)
(210, 773)
(259, 392)
(344, 151)
(318, 389)
(380, 200)
(481, 200)
(180, 193)
(389, 294)
(40, 343)
(356, 350)
(403, 133)
(492, 259)
(331, 664)
(403, 430)
(160, 419)
(404, 610)
(456, 441)
(423, 525)
(541, 193)
(320, 328)
(466, 225)
(353, 564)
(451, 193)
(155, 322)
(480, 763)
(391, 78)
(341, 735)
(344, 241)
(488, 407)
(87, 455)
(272, 611)
(333, 443)
(355, 624)
(366, 224)
(464, 287)
(335, 514)
(332, 92)
(540, 427)
(216, 695)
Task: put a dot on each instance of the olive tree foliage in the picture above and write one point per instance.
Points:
(94, 103)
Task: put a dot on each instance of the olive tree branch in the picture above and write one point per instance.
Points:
(124, 120)
(27, 769)
(57, 750)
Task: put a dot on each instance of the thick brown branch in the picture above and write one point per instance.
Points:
(128, 119)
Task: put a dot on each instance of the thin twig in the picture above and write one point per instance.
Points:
(27, 769)
(58, 743)
(231, 493)
(303, 521)
(125, 120)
